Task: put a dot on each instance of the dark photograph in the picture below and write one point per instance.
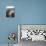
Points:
(10, 11)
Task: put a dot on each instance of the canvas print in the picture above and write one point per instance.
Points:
(10, 11)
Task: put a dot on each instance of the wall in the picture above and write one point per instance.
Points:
(31, 11)
(27, 12)
(7, 25)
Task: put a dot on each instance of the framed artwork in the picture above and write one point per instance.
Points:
(10, 11)
(32, 32)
